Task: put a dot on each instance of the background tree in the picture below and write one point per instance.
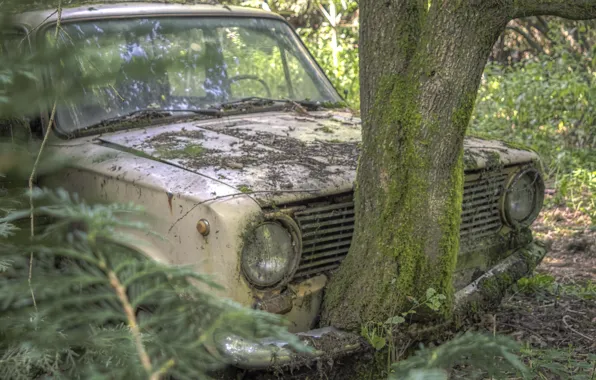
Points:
(421, 66)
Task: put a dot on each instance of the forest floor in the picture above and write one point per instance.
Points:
(553, 314)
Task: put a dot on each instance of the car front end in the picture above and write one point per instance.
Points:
(239, 150)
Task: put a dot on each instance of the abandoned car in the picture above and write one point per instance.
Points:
(239, 148)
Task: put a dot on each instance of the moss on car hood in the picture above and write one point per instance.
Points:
(280, 157)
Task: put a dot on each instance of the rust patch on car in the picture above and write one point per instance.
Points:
(170, 196)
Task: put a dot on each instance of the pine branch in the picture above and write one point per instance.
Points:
(90, 289)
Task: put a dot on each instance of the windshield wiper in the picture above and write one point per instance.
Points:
(257, 101)
(151, 114)
(250, 101)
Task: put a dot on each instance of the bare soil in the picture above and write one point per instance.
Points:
(556, 324)
(572, 245)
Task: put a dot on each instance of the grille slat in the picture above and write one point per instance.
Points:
(315, 271)
(311, 257)
(321, 225)
(327, 227)
(475, 205)
(476, 219)
(480, 195)
(326, 238)
(318, 262)
(306, 214)
(327, 231)
(484, 227)
(314, 248)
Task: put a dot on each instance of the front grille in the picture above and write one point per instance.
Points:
(327, 227)
(326, 236)
(480, 209)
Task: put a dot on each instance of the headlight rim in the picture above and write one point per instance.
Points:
(539, 189)
(293, 229)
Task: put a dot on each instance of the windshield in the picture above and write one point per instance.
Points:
(185, 63)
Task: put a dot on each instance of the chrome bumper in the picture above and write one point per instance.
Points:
(331, 342)
(274, 353)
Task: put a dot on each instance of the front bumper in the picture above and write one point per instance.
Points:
(489, 289)
(269, 353)
(331, 342)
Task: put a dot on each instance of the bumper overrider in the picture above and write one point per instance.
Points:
(331, 342)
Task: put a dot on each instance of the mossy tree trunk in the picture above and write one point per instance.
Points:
(421, 65)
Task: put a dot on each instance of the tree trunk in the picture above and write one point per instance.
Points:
(421, 65)
(420, 72)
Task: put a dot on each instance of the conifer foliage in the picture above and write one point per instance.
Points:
(99, 309)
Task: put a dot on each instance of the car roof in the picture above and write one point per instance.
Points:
(38, 18)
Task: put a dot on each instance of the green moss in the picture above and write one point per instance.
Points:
(325, 129)
(307, 301)
(514, 145)
(244, 189)
(331, 105)
(493, 288)
(493, 160)
(408, 192)
(507, 143)
(189, 151)
(104, 157)
(470, 162)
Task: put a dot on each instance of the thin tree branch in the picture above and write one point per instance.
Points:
(570, 9)
(34, 171)
(541, 28)
(527, 37)
(544, 25)
(163, 370)
(132, 323)
(575, 331)
(235, 195)
(36, 27)
(31, 206)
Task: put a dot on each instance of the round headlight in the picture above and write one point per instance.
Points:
(271, 254)
(523, 198)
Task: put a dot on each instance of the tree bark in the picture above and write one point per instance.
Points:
(571, 9)
(421, 65)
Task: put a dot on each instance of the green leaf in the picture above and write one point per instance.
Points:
(378, 342)
(398, 319)
(430, 292)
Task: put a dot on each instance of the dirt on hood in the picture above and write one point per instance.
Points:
(272, 155)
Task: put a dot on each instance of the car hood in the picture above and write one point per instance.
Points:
(279, 157)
